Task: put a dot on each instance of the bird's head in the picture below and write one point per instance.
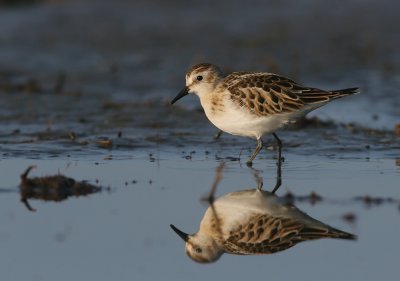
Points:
(201, 79)
(200, 248)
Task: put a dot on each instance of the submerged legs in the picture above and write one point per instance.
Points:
(218, 176)
(279, 164)
(260, 144)
(218, 135)
(279, 142)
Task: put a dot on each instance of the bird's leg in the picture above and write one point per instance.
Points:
(211, 197)
(218, 176)
(257, 177)
(279, 142)
(218, 135)
(278, 177)
(279, 165)
(260, 144)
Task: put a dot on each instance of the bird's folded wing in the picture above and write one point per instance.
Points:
(267, 94)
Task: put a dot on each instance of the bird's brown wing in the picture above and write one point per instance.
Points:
(265, 94)
(264, 234)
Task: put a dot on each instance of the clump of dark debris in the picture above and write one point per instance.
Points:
(52, 188)
(375, 201)
(313, 198)
(315, 122)
(349, 217)
(368, 201)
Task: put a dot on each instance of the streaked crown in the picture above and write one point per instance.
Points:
(203, 78)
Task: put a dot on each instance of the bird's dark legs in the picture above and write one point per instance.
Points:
(211, 197)
(279, 165)
(257, 177)
(278, 140)
(278, 177)
(218, 176)
(217, 135)
(260, 144)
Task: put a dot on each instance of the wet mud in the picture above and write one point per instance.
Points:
(116, 87)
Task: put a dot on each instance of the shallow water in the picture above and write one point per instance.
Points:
(123, 232)
(86, 95)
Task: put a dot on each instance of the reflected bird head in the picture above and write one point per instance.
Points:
(200, 248)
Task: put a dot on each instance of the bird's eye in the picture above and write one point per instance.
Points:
(198, 250)
(199, 78)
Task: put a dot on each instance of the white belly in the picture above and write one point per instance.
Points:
(242, 123)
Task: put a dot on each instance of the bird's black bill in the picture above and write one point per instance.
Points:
(181, 234)
(181, 94)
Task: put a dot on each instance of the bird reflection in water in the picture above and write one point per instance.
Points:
(252, 222)
(52, 188)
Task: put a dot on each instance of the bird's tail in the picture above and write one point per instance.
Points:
(319, 97)
(309, 233)
(336, 233)
(343, 92)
